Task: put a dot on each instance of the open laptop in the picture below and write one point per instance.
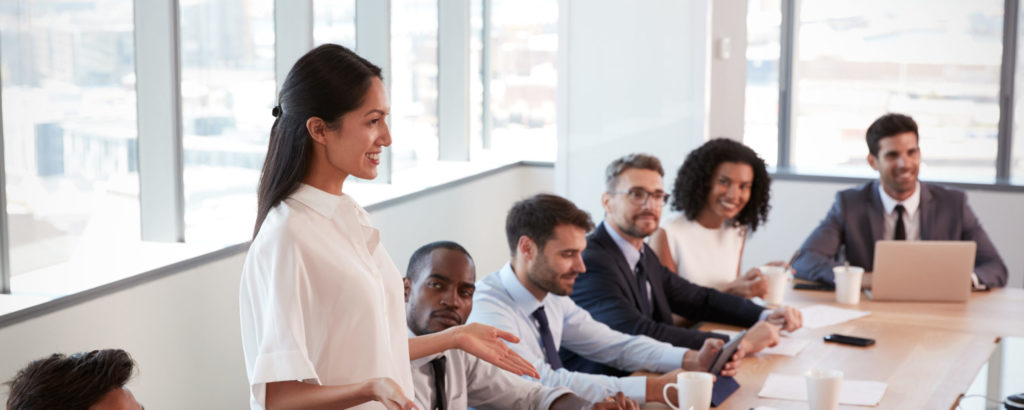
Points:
(922, 271)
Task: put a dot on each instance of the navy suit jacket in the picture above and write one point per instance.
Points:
(609, 291)
(856, 221)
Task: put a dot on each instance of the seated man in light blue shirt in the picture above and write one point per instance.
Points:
(528, 297)
(439, 295)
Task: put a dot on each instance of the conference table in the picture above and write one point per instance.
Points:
(927, 353)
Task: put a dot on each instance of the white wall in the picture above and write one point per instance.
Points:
(183, 330)
(728, 75)
(632, 79)
(798, 207)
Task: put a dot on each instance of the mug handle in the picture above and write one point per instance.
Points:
(664, 395)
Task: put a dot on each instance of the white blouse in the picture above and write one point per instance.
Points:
(320, 299)
(707, 257)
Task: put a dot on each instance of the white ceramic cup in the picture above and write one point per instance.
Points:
(776, 277)
(848, 280)
(694, 391)
(823, 388)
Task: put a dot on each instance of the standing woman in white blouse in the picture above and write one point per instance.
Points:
(721, 192)
(322, 304)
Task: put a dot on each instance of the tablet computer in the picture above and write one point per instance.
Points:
(725, 354)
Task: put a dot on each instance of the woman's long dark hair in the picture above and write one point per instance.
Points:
(328, 82)
(693, 182)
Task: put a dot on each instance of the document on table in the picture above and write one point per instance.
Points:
(853, 392)
(823, 315)
(788, 346)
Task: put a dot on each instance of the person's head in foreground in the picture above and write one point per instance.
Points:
(893, 151)
(439, 285)
(633, 196)
(330, 125)
(546, 236)
(82, 381)
(723, 181)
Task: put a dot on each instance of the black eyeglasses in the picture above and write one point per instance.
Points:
(638, 196)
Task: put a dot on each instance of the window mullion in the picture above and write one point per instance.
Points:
(453, 80)
(1006, 91)
(373, 42)
(158, 74)
(787, 45)
(293, 35)
(5, 254)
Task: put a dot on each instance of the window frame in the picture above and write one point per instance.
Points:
(158, 71)
(787, 43)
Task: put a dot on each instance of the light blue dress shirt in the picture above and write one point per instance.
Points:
(501, 301)
(473, 383)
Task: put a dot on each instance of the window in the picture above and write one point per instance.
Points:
(860, 59)
(334, 21)
(523, 51)
(227, 92)
(70, 118)
(69, 129)
(856, 60)
(413, 84)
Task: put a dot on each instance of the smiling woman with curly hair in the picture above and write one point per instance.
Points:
(721, 192)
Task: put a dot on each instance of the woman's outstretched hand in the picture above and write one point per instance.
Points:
(486, 343)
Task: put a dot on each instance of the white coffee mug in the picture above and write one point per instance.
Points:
(694, 391)
(776, 277)
(848, 280)
(823, 387)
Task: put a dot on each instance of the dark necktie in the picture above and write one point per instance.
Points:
(440, 393)
(641, 283)
(900, 233)
(550, 353)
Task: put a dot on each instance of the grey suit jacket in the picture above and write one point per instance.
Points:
(856, 222)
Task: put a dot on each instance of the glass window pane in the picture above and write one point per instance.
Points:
(227, 92)
(524, 78)
(69, 120)
(761, 112)
(334, 21)
(413, 83)
(857, 60)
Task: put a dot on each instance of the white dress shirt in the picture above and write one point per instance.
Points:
(472, 382)
(501, 301)
(707, 257)
(320, 299)
(911, 214)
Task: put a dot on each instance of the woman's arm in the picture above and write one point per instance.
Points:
(659, 243)
(298, 395)
(478, 340)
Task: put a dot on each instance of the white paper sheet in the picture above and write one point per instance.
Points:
(788, 346)
(853, 392)
(823, 315)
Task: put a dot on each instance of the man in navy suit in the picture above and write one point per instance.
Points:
(628, 289)
(896, 206)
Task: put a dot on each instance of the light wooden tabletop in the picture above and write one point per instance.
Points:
(927, 353)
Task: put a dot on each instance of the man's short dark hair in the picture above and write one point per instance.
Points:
(421, 257)
(635, 160)
(537, 216)
(888, 125)
(69, 382)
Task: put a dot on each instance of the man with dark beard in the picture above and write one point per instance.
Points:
(528, 297)
(627, 288)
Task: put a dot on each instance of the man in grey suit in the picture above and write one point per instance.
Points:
(896, 206)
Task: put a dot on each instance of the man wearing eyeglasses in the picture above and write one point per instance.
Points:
(628, 289)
